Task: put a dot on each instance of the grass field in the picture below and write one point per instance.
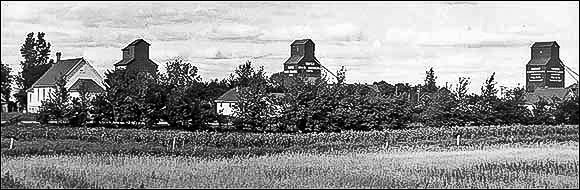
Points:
(489, 157)
(545, 166)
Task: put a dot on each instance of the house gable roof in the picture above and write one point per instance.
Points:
(56, 71)
(134, 43)
(229, 96)
(545, 44)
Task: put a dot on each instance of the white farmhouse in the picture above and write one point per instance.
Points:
(77, 72)
(225, 103)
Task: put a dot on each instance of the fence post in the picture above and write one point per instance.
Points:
(173, 145)
(11, 143)
(458, 137)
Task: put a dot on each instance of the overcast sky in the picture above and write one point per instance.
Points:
(391, 41)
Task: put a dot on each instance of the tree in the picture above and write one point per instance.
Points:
(385, 88)
(430, 85)
(341, 75)
(462, 87)
(35, 52)
(187, 101)
(252, 87)
(6, 81)
(246, 74)
(78, 115)
(544, 111)
(485, 112)
(568, 112)
(57, 105)
(510, 108)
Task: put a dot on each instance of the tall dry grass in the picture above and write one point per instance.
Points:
(545, 166)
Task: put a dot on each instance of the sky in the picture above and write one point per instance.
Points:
(374, 41)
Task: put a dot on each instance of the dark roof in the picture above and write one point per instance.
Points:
(57, 70)
(230, 96)
(293, 60)
(539, 61)
(129, 61)
(546, 93)
(302, 41)
(134, 43)
(124, 62)
(89, 84)
(545, 44)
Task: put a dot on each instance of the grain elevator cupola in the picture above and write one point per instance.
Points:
(302, 61)
(545, 69)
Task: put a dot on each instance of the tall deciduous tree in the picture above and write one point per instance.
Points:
(187, 100)
(252, 87)
(35, 52)
(6, 81)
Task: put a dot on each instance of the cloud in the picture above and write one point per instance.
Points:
(456, 37)
(460, 3)
(343, 32)
(219, 55)
(482, 44)
(234, 31)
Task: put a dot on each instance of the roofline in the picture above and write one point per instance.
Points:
(553, 42)
(35, 83)
(76, 65)
(305, 41)
(140, 39)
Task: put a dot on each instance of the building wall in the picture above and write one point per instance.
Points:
(550, 75)
(142, 51)
(535, 77)
(36, 96)
(555, 75)
(141, 65)
(84, 71)
(225, 108)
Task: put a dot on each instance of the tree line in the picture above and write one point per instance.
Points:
(321, 107)
(278, 103)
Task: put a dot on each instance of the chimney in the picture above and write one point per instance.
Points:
(58, 54)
